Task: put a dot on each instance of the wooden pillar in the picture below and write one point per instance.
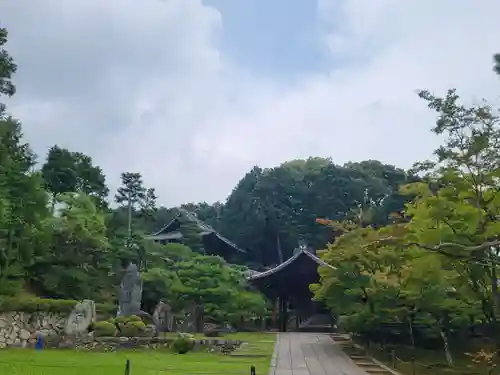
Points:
(273, 318)
(283, 313)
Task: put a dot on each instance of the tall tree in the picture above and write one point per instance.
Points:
(65, 171)
(77, 262)
(271, 210)
(90, 179)
(131, 194)
(496, 67)
(22, 200)
(7, 67)
(59, 172)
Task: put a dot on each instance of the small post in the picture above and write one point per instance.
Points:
(393, 358)
(127, 367)
(252, 370)
(39, 342)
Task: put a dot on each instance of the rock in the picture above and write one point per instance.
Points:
(24, 334)
(149, 330)
(80, 318)
(130, 291)
(163, 318)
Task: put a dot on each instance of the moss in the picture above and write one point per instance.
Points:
(132, 329)
(104, 329)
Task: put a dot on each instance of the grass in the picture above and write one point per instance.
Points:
(72, 362)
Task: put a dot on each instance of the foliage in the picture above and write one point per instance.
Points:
(183, 343)
(436, 267)
(69, 172)
(104, 329)
(35, 304)
(270, 210)
(132, 328)
(496, 59)
(188, 277)
(7, 67)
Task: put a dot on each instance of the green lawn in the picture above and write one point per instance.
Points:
(62, 362)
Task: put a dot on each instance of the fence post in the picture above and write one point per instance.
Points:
(252, 370)
(127, 367)
(393, 358)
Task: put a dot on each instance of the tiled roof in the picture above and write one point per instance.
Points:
(205, 228)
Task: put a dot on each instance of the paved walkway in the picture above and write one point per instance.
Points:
(311, 354)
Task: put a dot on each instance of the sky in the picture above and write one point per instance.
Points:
(193, 93)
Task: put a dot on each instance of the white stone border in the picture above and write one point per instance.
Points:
(274, 358)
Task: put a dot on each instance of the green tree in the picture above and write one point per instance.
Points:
(457, 215)
(77, 263)
(496, 60)
(270, 210)
(59, 172)
(66, 171)
(131, 194)
(22, 202)
(7, 67)
(148, 206)
(90, 179)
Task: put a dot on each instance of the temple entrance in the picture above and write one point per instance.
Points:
(287, 285)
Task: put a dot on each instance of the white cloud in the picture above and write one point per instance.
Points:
(141, 86)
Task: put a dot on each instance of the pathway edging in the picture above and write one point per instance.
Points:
(274, 358)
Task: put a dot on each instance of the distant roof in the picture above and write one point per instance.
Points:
(204, 227)
(300, 253)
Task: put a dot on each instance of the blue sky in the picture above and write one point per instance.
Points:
(193, 93)
(279, 38)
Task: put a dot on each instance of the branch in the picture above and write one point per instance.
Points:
(440, 249)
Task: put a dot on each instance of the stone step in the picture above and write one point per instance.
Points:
(364, 363)
(358, 357)
(373, 369)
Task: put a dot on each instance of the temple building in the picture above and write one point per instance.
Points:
(213, 242)
(287, 285)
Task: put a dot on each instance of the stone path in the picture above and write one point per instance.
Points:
(311, 354)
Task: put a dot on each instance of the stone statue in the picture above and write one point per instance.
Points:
(130, 292)
(163, 318)
(81, 317)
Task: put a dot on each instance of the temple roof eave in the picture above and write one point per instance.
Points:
(205, 229)
(288, 262)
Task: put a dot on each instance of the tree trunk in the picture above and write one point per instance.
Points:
(446, 345)
(495, 295)
(129, 217)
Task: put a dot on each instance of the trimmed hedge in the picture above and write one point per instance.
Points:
(104, 329)
(34, 304)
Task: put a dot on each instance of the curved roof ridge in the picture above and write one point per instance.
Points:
(279, 267)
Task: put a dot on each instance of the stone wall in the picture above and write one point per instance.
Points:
(17, 328)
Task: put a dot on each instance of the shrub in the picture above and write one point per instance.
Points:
(134, 318)
(132, 329)
(34, 304)
(104, 329)
(105, 308)
(183, 343)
